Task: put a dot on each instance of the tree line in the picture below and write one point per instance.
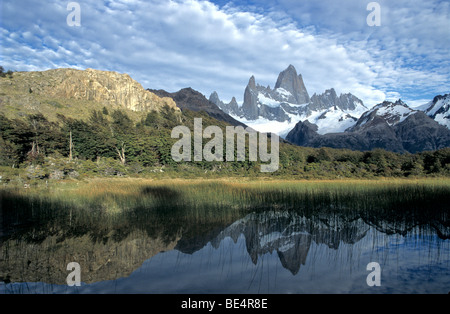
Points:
(111, 143)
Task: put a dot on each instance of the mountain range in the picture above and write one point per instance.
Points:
(320, 120)
(329, 120)
(281, 108)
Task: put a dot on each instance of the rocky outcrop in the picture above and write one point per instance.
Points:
(112, 89)
(421, 133)
(303, 133)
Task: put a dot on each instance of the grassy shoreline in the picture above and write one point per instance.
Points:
(132, 192)
(107, 208)
(125, 185)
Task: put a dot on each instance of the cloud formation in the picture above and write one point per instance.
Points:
(208, 46)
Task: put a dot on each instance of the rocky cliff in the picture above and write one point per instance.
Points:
(32, 90)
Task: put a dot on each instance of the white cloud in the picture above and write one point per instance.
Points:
(176, 44)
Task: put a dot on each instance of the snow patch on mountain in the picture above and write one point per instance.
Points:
(284, 94)
(401, 111)
(264, 125)
(268, 101)
(328, 121)
(439, 109)
(392, 113)
(332, 121)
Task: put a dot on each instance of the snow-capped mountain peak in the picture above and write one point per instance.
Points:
(392, 113)
(280, 109)
(439, 109)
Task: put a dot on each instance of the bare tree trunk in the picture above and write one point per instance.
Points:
(35, 149)
(70, 147)
(121, 154)
(34, 152)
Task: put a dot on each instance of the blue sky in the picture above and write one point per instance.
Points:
(217, 45)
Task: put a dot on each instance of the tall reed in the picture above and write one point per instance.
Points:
(104, 206)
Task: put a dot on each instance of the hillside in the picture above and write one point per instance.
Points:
(75, 93)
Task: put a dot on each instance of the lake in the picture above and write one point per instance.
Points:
(231, 248)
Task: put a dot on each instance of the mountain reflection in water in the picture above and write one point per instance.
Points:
(261, 252)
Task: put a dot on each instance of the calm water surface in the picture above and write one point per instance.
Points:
(259, 252)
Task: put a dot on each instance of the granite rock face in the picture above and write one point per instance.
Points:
(293, 83)
(113, 89)
(330, 99)
(271, 104)
(421, 133)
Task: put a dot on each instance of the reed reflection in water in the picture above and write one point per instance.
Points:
(323, 245)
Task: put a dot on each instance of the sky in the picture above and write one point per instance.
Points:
(218, 45)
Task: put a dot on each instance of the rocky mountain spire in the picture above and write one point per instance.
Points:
(290, 101)
(252, 82)
(214, 98)
(249, 107)
(293, 83)
(330, 99)
(230, 108)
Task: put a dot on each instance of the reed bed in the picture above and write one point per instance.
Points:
(100, 206)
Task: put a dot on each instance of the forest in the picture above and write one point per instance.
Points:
(111, 144)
